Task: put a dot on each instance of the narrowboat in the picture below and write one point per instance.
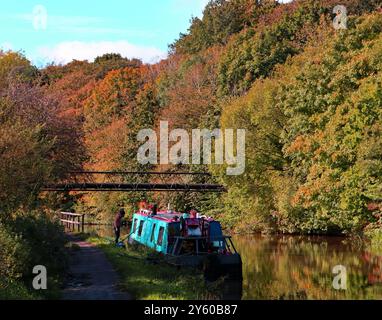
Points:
(187, 240)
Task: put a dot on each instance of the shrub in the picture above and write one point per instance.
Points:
(46, 241)
(29, 240)
(13, 254)
(14, 290)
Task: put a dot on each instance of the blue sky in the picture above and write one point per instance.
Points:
(59, 31)
(84, 28)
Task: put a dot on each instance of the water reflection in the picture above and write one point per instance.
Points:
(286, 267)
(301, 268)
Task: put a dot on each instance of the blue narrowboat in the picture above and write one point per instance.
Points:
(187, 240)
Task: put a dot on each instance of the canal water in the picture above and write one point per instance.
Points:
(301, 267)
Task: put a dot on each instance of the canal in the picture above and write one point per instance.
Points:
(301, 267)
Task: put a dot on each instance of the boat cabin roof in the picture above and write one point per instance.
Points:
(166, 216)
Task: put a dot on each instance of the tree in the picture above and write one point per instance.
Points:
(15, 67)
(221, 19)
(37, 145)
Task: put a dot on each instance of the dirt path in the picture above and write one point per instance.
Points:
(91, 276)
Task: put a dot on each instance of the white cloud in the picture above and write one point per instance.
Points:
(84, 25)
(65, 52)
(5, 46)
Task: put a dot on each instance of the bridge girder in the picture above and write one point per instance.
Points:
(131, 187)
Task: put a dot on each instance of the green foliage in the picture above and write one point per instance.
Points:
(15, 67)
(334, 114)
(45, 238)
(19, 147)
(26, 241)
(221, 18)
(113, 61)
(15, 290)
(313, 136)
(13, 254)
(254, 53)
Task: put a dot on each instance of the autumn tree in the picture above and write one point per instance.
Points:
(15, 67)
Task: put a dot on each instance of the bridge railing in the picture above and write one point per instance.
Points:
(109, 181)
(72, 221)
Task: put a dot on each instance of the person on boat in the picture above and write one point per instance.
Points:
(193, 214)
(192, 224)
(118, 223)
(142, 205)
(155, 209)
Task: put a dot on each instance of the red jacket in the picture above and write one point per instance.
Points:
(118, 221)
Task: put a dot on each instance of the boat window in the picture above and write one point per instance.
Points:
(135, 221)
(218, 244)
(153, 233)
(140, 228)
(160, 236)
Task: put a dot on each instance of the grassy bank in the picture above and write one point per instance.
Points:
(18, 290)
(15, 290)
(151, 279)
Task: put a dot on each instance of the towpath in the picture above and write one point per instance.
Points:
(91, 276)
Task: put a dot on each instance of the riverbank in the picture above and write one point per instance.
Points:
(146, 277)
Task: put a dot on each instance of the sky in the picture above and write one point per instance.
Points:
(60, 31)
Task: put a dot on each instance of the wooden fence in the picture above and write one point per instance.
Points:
(72, 221)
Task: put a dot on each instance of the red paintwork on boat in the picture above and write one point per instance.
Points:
(161, 215)
(164, 215)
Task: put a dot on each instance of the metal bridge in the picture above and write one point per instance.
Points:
(125, 181)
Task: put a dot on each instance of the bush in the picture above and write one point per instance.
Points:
(30, 240)
(14, 290)
(46, 240)
(13, 254)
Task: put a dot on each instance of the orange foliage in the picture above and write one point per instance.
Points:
(106, 146)
(194, 95)
(300, 144)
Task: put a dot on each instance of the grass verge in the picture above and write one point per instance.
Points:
(151, 279)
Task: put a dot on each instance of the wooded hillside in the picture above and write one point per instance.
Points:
(309, 96)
